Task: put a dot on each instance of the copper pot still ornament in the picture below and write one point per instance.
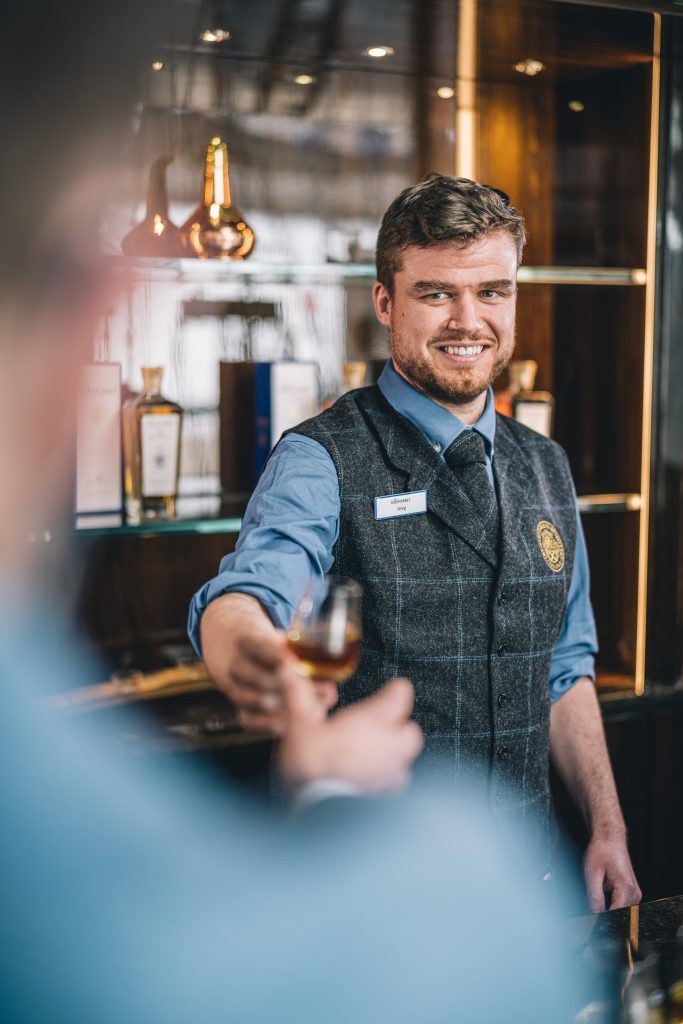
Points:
(156, 235)
(216, 229)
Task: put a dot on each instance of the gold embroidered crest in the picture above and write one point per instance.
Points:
(550, 543)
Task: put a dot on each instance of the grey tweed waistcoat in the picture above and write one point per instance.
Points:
(470, 621)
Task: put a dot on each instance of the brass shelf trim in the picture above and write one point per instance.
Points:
(648, 360)
(609, 502)
(583, 275)
(135, 686)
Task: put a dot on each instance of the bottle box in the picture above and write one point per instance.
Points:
(258, 402)
(99, 487)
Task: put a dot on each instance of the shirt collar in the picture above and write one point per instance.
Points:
(437, 424)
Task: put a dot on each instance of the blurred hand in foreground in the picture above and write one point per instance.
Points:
(372, 745)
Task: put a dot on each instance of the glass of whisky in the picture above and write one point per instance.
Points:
(326, 630)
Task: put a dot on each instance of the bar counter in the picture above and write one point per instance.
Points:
(654, 923)
(629, 961)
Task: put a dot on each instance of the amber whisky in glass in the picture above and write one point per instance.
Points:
(151, 443)
(325, 634)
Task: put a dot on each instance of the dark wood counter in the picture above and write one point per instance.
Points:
(614, 947)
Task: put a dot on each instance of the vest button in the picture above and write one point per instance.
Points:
(501, 649)
(502, 700)
(503, 753)
(502, 597)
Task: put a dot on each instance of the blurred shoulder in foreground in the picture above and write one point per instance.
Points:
(132, 897)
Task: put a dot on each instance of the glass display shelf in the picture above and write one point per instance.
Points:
(213, 271)
(196, 513)
(204, 525)
(219, 524)
(212, 521)
(216, 271)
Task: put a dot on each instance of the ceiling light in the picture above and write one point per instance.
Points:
(445, 92)
(304, 79)
(576, 105)
(529, 67)
(380, 51)
(215, 35)
(157, 65)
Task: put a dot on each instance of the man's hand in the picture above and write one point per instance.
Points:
(371, 745)
(607, 869)
(247, 659)
(579, 752)
(255, 683)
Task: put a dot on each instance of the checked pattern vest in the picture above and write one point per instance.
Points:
(466, 600)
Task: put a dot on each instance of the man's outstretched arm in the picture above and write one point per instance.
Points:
(579, 753)
(289, 530)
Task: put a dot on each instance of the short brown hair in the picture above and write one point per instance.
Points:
(443, 209)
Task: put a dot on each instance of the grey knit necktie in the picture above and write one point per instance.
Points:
(466, 456)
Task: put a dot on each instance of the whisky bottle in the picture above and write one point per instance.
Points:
(353, 376)
(216, 230)
(151, 440)
(536, 409)
(521, 374)
(155, 235)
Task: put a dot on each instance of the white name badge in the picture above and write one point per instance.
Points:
(413, 503)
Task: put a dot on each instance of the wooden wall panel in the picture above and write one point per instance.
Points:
(137, 590)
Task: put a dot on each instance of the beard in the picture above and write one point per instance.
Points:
(460, 386)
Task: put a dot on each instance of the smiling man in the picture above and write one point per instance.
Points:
(474, 570)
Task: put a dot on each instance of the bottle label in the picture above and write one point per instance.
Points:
(159, 440)
(537, 415)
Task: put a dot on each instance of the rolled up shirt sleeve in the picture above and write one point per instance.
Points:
(289, 530)
(577, 644)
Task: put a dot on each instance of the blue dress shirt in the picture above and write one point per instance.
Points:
(292, 523)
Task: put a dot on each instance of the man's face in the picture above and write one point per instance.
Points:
(451, 317)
